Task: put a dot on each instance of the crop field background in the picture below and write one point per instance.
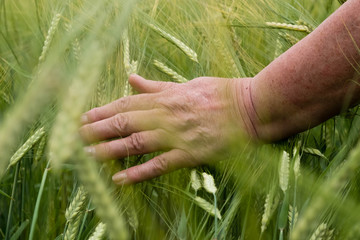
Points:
(59, 59)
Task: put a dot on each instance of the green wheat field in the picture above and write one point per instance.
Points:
(59, 59)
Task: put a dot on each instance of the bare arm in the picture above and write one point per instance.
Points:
(311, 82)
(192, 123)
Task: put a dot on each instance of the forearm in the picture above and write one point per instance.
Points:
(311, 82)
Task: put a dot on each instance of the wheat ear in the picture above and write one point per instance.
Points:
(322, 233)
(307, 220)
(65, 131)
(271, 203)
(299, 28)
(284, 172)
(208, 207)
(195, 180)
(99, 232)
(76, 205)
(50, 35)
(173, 74)
(181, 45)
(26, 146)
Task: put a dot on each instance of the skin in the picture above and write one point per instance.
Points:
(195, 121)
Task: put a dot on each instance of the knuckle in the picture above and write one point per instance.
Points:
(103, 151)
(93, 114)
(166, 85)
(122, 104)
(87, 133)
(120, 123)
(136, 142)
(160, 164)
(135, 174)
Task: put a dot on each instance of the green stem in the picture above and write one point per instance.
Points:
(83, 220)
(37, 205)
(281, 237)
(216, 224)
(7, 234)
(294, 207)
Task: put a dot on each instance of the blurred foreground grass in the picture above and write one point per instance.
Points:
(59, 59)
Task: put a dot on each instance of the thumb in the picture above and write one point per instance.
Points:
(142, 85)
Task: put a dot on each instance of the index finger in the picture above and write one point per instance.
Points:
(125, 104)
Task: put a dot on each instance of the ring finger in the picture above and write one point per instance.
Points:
(136, 143)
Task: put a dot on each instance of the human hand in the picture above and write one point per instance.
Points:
(193, 123)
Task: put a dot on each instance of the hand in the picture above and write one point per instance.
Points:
(193, 123)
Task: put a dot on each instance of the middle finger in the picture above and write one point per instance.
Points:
(121, 125)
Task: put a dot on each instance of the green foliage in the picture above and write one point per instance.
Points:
(61, 58)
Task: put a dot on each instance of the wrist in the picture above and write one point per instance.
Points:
(245, 106)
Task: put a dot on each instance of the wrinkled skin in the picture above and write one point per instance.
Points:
(191, 123)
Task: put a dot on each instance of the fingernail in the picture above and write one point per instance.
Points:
(120, 178)
(84, 119)
(90, 150)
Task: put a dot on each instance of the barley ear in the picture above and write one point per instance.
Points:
(271, 203)
(64, 136)
(50, 35)
(297, 165)
(26, 146)
(182, 46)
(322, 232)
(165, 69)
(99, 232)
(195, 180)
(293, 27)
(72, 228)
(208, 207)
(76, 205)
(209, 183)
(284, 172)
(293, 220)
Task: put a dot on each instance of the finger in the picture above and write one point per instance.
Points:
(142, 85)
(159, 165)
(120, 125)
(135, 144)
(125, 104)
